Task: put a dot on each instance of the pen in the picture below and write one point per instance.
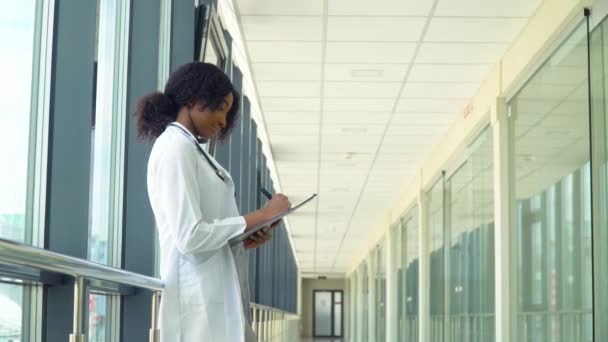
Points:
(266, 193)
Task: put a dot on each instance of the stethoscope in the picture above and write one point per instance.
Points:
(218, 172)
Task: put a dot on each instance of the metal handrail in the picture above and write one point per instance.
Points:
(270, 323)
(268, 308)
(21, 255)
(18, 254)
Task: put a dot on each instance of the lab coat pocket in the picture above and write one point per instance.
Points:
(200, 284)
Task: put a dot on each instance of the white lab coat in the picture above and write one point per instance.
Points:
(206, 295)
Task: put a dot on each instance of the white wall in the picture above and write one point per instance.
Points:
(308, 286)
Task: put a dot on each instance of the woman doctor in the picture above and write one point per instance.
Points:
(206, 289)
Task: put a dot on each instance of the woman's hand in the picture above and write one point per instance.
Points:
(276, 205)
(261, 237)
(258, 239)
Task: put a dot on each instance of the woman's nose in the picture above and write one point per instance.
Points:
(222, 122)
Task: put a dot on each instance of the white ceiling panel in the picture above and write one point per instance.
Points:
(291, 117)
(284, 104)
(358, 105)
(487, 8)
(380, 7)
(287, 138)
(430, 90)
(331, 75)
(288, 89)
(378, 29)
(280, 7)
(461, 53)
(286, 72)
(351, 139)
(289, 52)
(348, 129)
(369, 52)
(474, 30)
(388, 90)
(449, 73)
(354, 118)
(282, 28)
(287, 129)
(431, 105)
(365, 72)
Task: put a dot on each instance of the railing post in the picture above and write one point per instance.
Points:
(264, 325)
(78, 334)
(154, 331)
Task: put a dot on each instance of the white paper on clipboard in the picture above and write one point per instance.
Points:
(242, 237)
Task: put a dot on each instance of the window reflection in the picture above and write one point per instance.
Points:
(17, 20)
(11, 301)
(17, 24)
(107, 155)
(550, 125)
(471, 252)
(380, 301)
(437, 262)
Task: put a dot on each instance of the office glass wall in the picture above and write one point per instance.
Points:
(410, 275)
(380, 293)
(437, 261)
(354, 293)
(108, 154)
(24, 34)
(599, 86)
(471, 241)
(397, 242)
(552, 259)
(364, 269)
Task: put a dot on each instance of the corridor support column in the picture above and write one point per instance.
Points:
(502, 212)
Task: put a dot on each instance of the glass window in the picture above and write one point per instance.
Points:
(599, 86)
(380, 290)
(437, 261)
(25, 31)
(409, 275)
(107, 156)
(164, 44)
(471, 252)
(364, 301)
(549, 124)
(11, 315)
(17, 22)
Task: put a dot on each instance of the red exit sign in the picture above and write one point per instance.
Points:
(468, 110)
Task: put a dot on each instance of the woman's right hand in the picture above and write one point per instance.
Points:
(276, 205)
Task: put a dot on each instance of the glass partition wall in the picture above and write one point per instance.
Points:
(599, 87)
(470, 210)
(410, 276)
(436, 261)
(552, 259)
(558, 178)
(380, 291)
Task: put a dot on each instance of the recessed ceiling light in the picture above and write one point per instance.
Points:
(367, 73)
(354, 130)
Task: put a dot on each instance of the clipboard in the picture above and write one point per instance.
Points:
(242, 237)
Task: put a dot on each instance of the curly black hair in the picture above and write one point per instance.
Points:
(191, 84)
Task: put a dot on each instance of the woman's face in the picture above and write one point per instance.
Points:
(208, 122)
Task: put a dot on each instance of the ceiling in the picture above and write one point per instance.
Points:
(355, 94)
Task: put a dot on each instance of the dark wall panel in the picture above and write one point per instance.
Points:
(69, 155)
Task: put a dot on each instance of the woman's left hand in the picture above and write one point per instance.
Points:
(258, 239)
